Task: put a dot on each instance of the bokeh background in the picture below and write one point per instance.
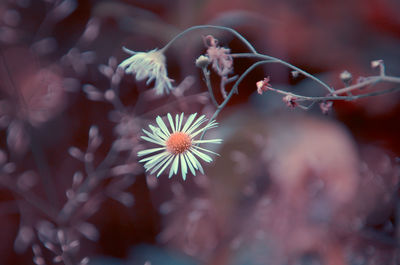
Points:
(290, 186)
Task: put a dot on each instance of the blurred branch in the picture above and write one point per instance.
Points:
(43, 168)
(31, 198)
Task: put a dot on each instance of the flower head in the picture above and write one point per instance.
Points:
(325, 106)
(178, 146)
(263, 85)
(222, 61)
(290, 101)
(149, 65)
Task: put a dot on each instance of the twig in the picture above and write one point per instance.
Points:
(348, 98)
(276, 60)
(43, 168)
(31, 198)
(202, 27)
(233, 90)
(206, 74)
(370, 81)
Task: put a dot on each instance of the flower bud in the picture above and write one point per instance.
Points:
(346, 77)
(376, 63)
(202, 61)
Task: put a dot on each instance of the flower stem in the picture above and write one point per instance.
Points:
(276, 60)
(233, 90)
(201, 27)
(206, 74)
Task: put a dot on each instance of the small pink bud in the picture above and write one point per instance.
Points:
(263, 85)
(76, 153)
(84, 261)
(295, 74)
(346, 77)
(290, 101)
(93, 131)
(376, 63)
(325, 106)
(77, 179)
(109, 95)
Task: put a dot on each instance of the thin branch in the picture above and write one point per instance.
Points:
(206, 74)
(202, 27)
(347, 98)
(31, 198)
(87, 186)
(222, 87)
(276, 60)
(372, 80)
(233, 90)
(43, 168)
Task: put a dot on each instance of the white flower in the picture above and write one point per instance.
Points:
(177, 146)
(149, 65)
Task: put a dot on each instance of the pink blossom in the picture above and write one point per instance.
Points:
(220, 57)
(290, 101)
(263, 85)
(325, 106)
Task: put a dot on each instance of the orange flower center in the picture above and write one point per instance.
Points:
(178, 143)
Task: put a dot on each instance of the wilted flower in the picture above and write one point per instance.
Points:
(220, 58)
(178, 145)
(149, 65)
(263, 85)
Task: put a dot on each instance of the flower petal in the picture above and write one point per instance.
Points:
(149, 151)
(153, 158)
(171, 122)
(180, 123)
(165, 165)
(165, 159)
(206, 150)
(162, 126)
(183, 166)
(174, 167)
(193, 159)
(196, 124)
(154, 135)
(189, 164)
(203, 156)
(189, 122)
(152, 140)
(216, 141)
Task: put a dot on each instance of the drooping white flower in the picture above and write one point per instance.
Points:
(149, 65)
(178, 147)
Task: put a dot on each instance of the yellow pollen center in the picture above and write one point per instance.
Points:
(178, 143)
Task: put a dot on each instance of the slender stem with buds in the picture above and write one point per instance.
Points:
(369, 81)
(276, 60)
(328, 98)
(233, 90)
(88, 185)
(332, 95)
(31, 198)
